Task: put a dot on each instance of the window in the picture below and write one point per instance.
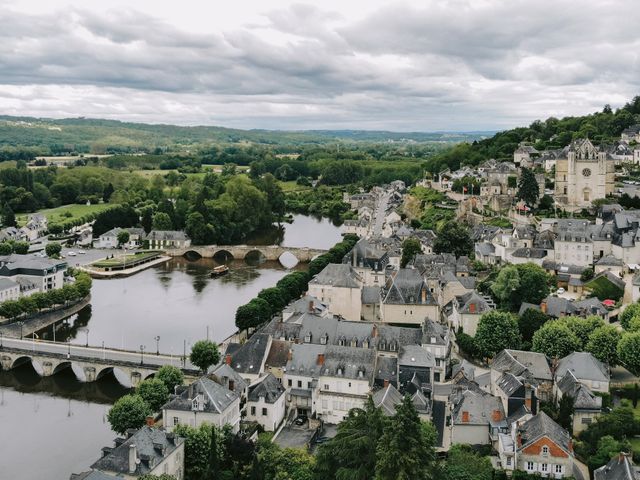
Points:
(309, 385)
(253, 410)
(176, 421)
(289, 382)
(530, 466)
(264, 412)
(299, 383)
(545, 451)
(586, 421)
(544, 467)
(508, 461)
(558, 469)
(326, 386)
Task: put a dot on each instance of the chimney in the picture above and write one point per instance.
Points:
(519, 439)
(472, 308)
(106, 451)
(571, 445)
(290, 355)
(310, 306)
(543, 307)
(133, 460)
(496, 415)
(424, 295)
(159, 447)
(386, 383)
(374, 331)
(227, 359)
(465, 417)
(171, 438)
(320, 359)
(150, 421)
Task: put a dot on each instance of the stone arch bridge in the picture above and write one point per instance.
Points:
(239, 252)
(50, 358)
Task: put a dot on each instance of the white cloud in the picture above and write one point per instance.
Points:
(434, 65)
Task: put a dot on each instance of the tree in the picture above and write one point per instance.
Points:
(496, 331)
(275, 297)
(274, 463)
(530, 321)
(198, 229)
(123, 237)
(163, 476)
(108, 191)
(603, 344)
(628, 313)
(410, 247)
(147, 220)
(565, 411)
(6, 248)
(162, 221)
(196, 450)
(154, 392)
(607, 448)
(629, 351)
(454, 238)
(214, 456)
(253, 314)
(53, 249)
(528, 188)
(587, 274)
(515, 284)
(555, 340)
(129, 411)
(204, 353)
(171, 376)
(406, 449)
(465, 464)
(506, 284)
(8, 217)
(352, 453)
(21, 248)
(582, 327)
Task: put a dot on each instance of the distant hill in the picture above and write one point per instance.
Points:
(86, 135)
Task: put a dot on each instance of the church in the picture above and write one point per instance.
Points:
(584, 174)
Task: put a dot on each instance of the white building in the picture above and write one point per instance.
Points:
(266, 403)
(339, 287)
(33, 273)
(110, 239)
(162, 239)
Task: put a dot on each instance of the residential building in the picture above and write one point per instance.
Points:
(532, 366)
(110, 239)
(203, 401)
(464, 311)
(148, 451)
(266, 402)
(9, 290)
(339, 287)
(163, 239)
(586, 405)
(248, 359)
(587, 370)
(620, 467)
(539, 446)
(436, 341)
(406, 299)
(33, 274)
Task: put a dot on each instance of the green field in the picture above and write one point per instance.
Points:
(292, 186)
(61, 214)
(129, 259)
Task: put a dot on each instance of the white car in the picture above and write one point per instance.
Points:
(560, 291)
(81, 252)
(72, 254)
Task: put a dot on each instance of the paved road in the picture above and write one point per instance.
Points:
(379, 214)
(95, 353)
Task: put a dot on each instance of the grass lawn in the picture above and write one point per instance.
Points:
(60, 214)
(129, 258)
(292, 186)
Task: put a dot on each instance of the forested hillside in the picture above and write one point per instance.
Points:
(601, 127)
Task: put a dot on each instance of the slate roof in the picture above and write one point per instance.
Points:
(349, 362)
(407, 287)
(149, 444)
(250, 356)
(434, 330)
(620, 467)
(509, 383)
(519, 361)
(217, 398)
(223, 373)
(386, 369)
(387, 399)
(591, 306)
(93, 475)
(278, 354)
(304, 360)
(305, 304)
(584, 366)
(485, 249)
(416, 356)
(583, 398)
(482, 305)
(167, 235)
(370, 295)
(115, 231)
(267, 387)
(610, 261)
(529, 253)
(478, 404)
(337, 275)
(541, 425)
(14, 264)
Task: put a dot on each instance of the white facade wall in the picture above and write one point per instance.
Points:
(11, 293)
(470, 434)
(195, 418)
(269, 415)
(340, 300)
(337, 396)
(574, 253)
(410, 314)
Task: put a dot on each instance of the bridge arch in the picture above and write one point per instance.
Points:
(192, 255)
(255, 255)
(120, 375)
(288, 259)
(62, 366)
(223, 255)
(24, 360)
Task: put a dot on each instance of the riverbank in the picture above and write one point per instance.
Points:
(125, 272)
(43, 320)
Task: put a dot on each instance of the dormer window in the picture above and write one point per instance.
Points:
(307, 338)
(324, 339)
(354, 342)
(545, 451)
(339, 371)
(365, 343)
(393, 346)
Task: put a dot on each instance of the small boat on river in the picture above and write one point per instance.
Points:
(219, 271)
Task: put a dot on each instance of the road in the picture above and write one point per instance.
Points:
(79, 352)
(379, 214)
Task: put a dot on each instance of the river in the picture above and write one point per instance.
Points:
(57, 423)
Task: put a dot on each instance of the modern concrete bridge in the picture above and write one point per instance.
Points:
(49, 358)
(239, 252)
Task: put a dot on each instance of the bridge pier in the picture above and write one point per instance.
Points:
(47, 369)
(89, 374)
(6, 362)
(135, 379)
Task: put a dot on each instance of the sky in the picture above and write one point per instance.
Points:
(428, 65)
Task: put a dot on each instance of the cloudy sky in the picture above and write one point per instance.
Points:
(416, 65)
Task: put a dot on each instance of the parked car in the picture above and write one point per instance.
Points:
(81, 252)
(71, 254)
(300, 420)
(560, 291)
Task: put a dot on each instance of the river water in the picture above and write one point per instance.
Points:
(57, 423)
